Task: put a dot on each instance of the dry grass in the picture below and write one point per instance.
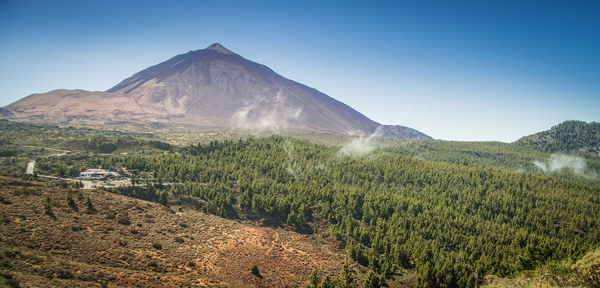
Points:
(74, 247)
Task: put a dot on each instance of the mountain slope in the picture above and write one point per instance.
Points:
(212, 87)
(78, 106)
(568, 136)
(220, 88)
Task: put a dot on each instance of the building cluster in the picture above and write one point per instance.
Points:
(106, 178)
(99, 174)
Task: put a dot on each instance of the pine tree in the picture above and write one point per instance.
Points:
(254, 270)
(163, 198)
(372, 280)
(346, 279)
(70, 200)
(327, 282)
(314, 279)
(89, 204)
(47, 204)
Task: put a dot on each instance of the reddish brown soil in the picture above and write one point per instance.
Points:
(74, 247)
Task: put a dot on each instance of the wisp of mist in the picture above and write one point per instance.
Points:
(557, 162)
(361, 146)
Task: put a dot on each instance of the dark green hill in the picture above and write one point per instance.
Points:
(568, 137)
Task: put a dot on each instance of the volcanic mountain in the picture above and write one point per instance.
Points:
(212, 87)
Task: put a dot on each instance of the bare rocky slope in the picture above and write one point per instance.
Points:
(212, 87)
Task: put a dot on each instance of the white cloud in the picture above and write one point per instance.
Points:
(557, 162)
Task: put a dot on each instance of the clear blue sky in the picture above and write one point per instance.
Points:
(456, 70)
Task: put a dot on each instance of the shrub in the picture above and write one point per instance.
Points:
(8, 280)
(179, 240)
(123, 218)
(4, 200)
(157, 246)
(111, 215)
(64, 274)
(155, 267)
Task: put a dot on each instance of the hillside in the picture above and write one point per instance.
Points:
(407, 220)
(130, 242)
(567, 137)
(212, 87)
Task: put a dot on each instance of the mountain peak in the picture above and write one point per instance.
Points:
(219, 48)
(211, 87)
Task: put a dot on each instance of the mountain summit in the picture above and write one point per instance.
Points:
(219, 48)
(212, 87)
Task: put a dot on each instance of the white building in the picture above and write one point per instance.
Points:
(98, 174)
